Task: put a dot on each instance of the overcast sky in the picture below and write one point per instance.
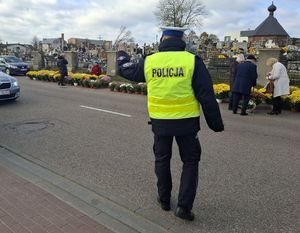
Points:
(20, 20)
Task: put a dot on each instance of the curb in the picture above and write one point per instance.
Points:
(120, 218)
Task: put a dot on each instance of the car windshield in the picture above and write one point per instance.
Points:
(12, 59)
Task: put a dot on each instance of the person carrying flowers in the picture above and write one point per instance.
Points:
(280, 78)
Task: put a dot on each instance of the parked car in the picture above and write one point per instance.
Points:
(9, 87)
(12, 65)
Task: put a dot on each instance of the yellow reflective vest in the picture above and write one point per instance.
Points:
(169, 83)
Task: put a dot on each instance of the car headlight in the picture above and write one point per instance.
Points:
(13, 67)
(15, 84)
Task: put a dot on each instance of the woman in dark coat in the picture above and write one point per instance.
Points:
(239, 59)
(62, 65)
(245, 78)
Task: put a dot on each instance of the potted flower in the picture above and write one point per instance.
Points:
(129, 88)
(257, 96)
(112, 86)
(105, 80)
(123, 87)
(117, 87)
(221, 91)
(137, 89)
(251, 105)
(295, 100)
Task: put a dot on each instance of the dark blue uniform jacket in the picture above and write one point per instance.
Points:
(202, 85)
(244, 78)
(62, 65)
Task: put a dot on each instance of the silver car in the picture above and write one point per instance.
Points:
(9, 87)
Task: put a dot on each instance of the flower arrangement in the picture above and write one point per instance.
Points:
(112, 86)
(105, 78)
(123, 87)
(251, 105)
(295, 100)
(129, 88)
(257, 95)
(137, 89)
(144, 89)
(221, 90)
(78, 79)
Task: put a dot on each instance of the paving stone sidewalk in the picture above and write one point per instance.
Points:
(26, 208)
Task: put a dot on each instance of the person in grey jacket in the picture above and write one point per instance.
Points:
(281, 81)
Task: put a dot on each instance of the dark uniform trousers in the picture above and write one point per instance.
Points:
(190, 151)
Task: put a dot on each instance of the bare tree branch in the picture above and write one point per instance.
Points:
(124, 36)
(180, 13)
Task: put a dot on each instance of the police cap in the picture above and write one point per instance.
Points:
(173, 31)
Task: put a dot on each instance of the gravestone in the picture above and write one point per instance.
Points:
(111, 63)
(37, 60)
(262, 68)
(72, 58)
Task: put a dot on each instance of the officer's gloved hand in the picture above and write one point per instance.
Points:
(219, 127)
(216, 126)
(122, 58)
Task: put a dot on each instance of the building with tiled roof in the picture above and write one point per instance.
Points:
(269, 29)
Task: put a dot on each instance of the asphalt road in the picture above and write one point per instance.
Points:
(249, 174)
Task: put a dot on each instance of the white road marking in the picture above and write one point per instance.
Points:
(107, 111)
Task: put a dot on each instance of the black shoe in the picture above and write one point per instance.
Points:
(244, 114)
(273, 113)
(234, 112)
(164, 205)
(184, 214)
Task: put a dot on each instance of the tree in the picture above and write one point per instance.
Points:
(206, 39)
(203, 39)
(213, 38)
(35, 42)
(123, 37)
(180, 13)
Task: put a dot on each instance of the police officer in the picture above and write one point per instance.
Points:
(176, 81)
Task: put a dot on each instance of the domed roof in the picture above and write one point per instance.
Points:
(272, 8)
(270, 26)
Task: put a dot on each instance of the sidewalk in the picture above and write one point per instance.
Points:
(26, 208)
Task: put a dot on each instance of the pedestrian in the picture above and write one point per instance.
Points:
(96, 69)
(244, 79)
(280, 78)
(239, 59)
(176, 82)
(62, 66)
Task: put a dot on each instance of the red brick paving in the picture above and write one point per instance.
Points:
(26, 208)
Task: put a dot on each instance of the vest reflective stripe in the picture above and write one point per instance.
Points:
(186, 100)
(172, 109)
(169, 82)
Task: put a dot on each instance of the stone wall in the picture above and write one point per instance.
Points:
(219, 69)
(262, 68)
(293, 68)
(111, 63)
(72, 58)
